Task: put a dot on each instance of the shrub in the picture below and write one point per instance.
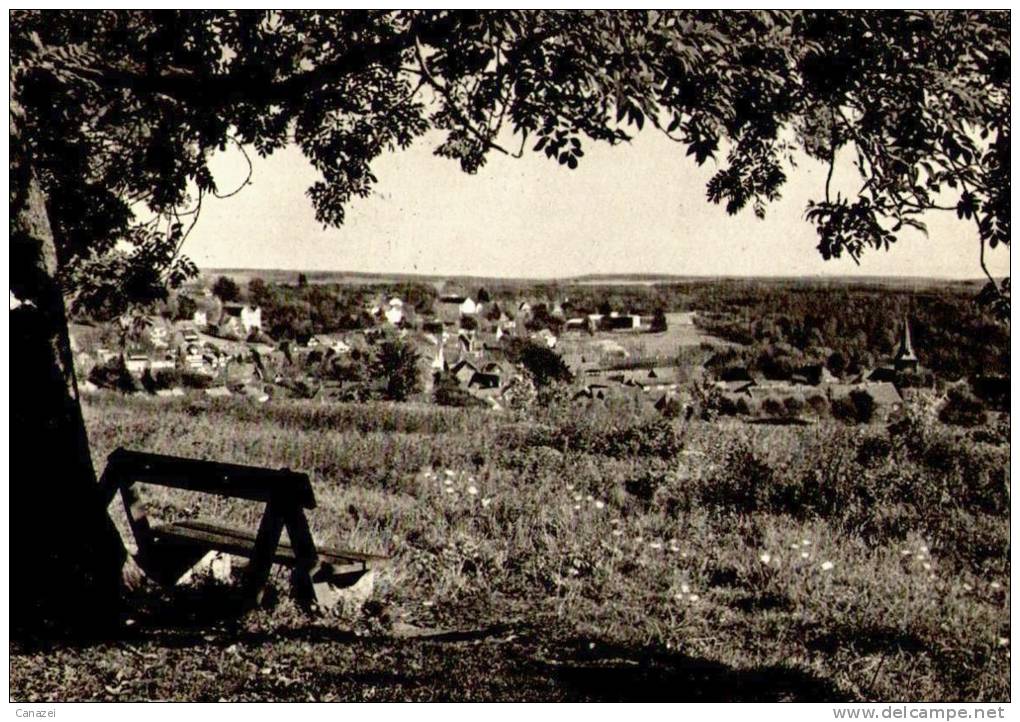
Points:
(448, 392)
(857, 407)
(114, 375)
(167, 378)
(195, 380)
(226, 289)
(397, 362)
(772, 407)
(793, 406)
(818, 404)
(962, 408)
(606, 434)
(743, 482)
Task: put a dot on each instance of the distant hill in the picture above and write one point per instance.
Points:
(358, 278)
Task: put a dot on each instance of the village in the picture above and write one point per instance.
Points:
(470, 345)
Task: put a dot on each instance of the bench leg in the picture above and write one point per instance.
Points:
(306, 590)
(266, 541)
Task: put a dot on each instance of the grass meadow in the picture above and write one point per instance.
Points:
(586, 553)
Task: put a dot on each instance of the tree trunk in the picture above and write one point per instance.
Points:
(66, 555)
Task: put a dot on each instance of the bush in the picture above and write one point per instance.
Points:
(449, 392)
(610, 435)
(962, 408)
(772, 407)
(793, 406)
(114, 375)
(743, 483)
(226, 289)
(857, 407)
(397, 362)
(818, 404)
(195, 380)
(167, 379)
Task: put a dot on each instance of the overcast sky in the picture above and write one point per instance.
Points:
(639, 208)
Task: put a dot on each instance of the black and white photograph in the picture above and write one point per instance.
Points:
(510, 355)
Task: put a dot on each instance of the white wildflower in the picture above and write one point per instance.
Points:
(826, 566)
(926, 566)
(765, 558)
(685, 588)
(805, 542)
(655, 545)
(694, 597)
(485, 502)
(804, 555)
(600, 504)
(472, 490)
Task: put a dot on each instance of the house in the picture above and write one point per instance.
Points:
(739, 386)
(546, 337)
(814, 374)
(621, 322)
(192, 357)
(394, 311)
(249, 318)
(483, 380)
(166, 363)
(327, 342)
(464, 371)
(136, 364)
(576, 324)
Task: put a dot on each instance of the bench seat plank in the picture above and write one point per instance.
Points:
(242, 543)
(233, 480)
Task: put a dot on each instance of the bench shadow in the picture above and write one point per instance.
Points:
(616, 673)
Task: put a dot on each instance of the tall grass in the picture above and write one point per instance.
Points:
(876, 558)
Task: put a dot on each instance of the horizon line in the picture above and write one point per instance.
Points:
(648, 275)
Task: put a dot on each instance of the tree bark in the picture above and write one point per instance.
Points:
(66, 554)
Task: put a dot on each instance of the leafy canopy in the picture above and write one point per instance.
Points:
(124, 108)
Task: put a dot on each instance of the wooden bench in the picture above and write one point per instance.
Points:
(168, 551)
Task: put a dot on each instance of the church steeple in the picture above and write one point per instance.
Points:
(905, 357)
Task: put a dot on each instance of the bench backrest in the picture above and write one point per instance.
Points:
(211, 477)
